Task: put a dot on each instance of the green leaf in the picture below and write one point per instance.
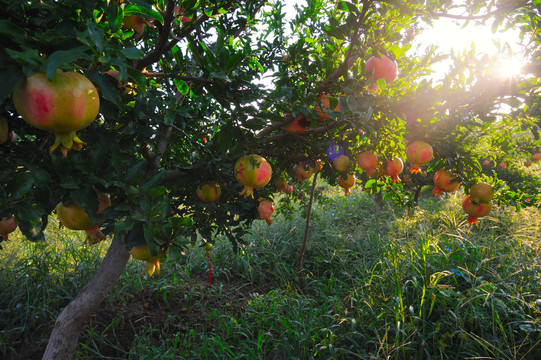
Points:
(61, 57)
(132, 53)
(182, 86)
(108, 90)
(138, 78)
(13, 31)
(132, 9)
(20, 185)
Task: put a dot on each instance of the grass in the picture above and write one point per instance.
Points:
(382, 285)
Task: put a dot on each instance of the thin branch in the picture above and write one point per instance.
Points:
(181, 77)
(157, 52)
(318, 130)
(252, 16)
(479, 17)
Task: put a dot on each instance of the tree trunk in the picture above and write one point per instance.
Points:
(300, 256)
(75, 316)
(378, 200)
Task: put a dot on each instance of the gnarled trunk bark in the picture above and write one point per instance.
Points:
(75, 316)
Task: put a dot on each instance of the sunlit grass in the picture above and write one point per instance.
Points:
(378, 285)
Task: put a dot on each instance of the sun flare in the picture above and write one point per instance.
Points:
(508, 67)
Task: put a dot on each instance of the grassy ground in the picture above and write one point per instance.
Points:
(379, 286)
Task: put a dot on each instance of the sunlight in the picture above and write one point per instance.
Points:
(508, 67)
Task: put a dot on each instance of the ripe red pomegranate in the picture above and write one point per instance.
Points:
(266, 209)
(321, 114)
(341, 163)
(487, 163)
(4, 131)
(7, 226)
(382, 67)
(536, 157)
(209, 192)
(64, 105)
(444, 181)
(481, 193)
(394, 167)
(475, 210)
(346, 183)
(298, 125)
(254, 172)
(153, 262)
(368, 161)
(419, 153)
(74, 217)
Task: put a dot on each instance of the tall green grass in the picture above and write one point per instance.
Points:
(379, 285)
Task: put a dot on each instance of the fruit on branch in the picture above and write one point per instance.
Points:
(394, 167)
(63, 105)
(265, 209)
(135, 23)
(536, 157)
(252, 171)
(209, 192)
(487, 163)
(305, 169)
(74, 217)
(502, 165)
(298, 125)
(321, 114)
(444, 181)
(475, 210)
(7, 226)
(346, 183)
(382, 67)
(368, 161)
(153, 262)
(418, 153)
(481, 193)
(281, 183)
(4, 130)
(341, 163)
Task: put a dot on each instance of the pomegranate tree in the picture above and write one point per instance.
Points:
(7, 226)
(63, 105)
(475, 210)
(418, 153)
(481, 193)
(346, 183)
(368, 161)
(341, 163)
(209, 192)
(265, 209)
(74, 217)
(444, 181)
(394, 167)
(152, 262)
(382, 67)
(254, 172)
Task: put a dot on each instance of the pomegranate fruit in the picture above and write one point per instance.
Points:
(281, 183)
(298, 125)
(481, 193)
(346, 183)
(341, 163)
(444, 181)
(418, 153)
(321, 114)
(153, 262)
(265, 209)
(382, 67)
(74, 217)
(305, 169)
(475, 210)
(209, 192)
(394, 167)
(536, 157)
(487, 163)
(135, 23)
(7, 226)
(4, 131)
(368, 161)
(254, 172)
(67, 103)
